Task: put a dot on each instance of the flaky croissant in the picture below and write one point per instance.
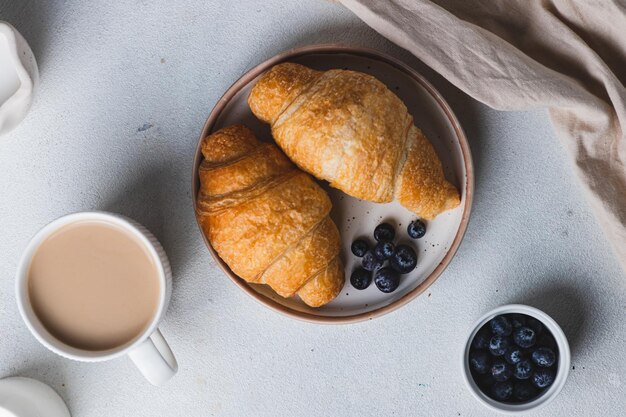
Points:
(268, 220)
(348, 128)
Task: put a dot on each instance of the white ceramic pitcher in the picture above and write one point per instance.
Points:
(19, 77)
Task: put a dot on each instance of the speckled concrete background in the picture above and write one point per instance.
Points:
(125, 89)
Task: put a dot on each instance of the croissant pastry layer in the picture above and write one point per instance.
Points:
(348, 128)
(266, 219)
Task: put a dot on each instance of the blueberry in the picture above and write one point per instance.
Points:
(534, 324)
(502, 391)
(384, 232)
(384, 250)
(481, 340)
(523, 369)
(517, 320)
(501, 371)
(404, 259)
(416, 229)
(501, 326)
(544, 357)
(360, 278)
(359, 247)
(542, 378)
(524, 337)
(498, 345)
(370, 262)
(513, 355)
(523, 391)
(386, 279)
(480, 361)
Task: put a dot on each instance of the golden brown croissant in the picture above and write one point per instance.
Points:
(266, 219)
(348, 128)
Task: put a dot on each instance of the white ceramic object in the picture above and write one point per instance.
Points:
(356, 218)
(563, 364)
(19, 77)
(149, 350)
(26, 397)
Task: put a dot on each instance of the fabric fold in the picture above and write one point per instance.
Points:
(569, 57)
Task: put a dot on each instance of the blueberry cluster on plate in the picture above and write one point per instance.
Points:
(513, 358)
(385, 260)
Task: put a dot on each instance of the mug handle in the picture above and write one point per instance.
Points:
(155, 359)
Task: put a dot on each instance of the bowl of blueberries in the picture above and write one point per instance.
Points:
(516, 359)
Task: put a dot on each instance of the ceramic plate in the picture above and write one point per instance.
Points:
(356, 218)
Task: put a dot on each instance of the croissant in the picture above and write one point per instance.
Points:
(268, 220)
(349, 129)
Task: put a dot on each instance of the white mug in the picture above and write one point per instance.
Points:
(149, 350)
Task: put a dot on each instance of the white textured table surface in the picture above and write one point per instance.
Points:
(125, 89)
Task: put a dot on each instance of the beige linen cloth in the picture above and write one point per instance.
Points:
(566, 55)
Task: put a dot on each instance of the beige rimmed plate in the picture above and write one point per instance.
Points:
(356, 218)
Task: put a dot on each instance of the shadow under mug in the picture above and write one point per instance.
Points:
(148, 350)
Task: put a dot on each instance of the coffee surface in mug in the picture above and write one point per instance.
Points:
(94, 285)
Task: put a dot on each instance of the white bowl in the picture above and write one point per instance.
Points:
(26, 397)
(563, 364)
